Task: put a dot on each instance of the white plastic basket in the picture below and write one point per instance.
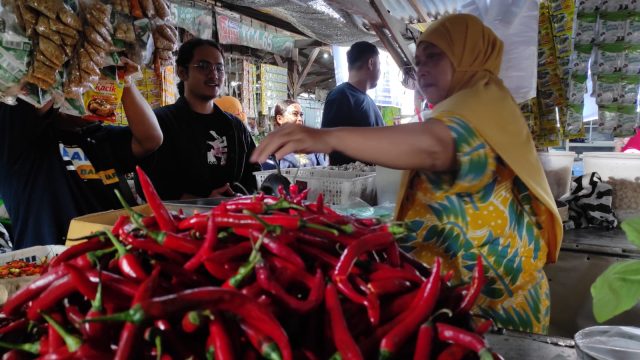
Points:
(33, 254)
(338, 187)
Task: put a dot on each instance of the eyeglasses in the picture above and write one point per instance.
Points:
(207, 68)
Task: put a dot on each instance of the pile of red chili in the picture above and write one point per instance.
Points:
(257, 277)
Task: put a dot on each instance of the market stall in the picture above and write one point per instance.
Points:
(160, 271)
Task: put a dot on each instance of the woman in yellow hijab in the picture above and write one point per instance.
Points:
(476, 186)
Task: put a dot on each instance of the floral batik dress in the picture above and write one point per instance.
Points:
(483, 209)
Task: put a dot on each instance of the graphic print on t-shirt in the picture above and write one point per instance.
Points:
(217, 155)
(76, 160)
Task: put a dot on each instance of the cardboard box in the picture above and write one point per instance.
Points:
(88, 224)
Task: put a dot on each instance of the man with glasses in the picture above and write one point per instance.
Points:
(348, 104)
(206, 150)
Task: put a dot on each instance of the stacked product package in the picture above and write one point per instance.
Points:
(608, 38)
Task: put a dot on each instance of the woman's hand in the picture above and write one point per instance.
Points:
(292, 138)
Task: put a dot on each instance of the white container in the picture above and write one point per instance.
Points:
(557, 168)
(338, 187)
(34, 254)
(387, 185)
(622, 172)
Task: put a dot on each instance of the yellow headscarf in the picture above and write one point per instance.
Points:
(478, 96)
(232, 106)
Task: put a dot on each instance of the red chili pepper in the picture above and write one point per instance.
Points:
(467, 339)
(424, 343)
(191, 321)
(219, 340)
(210, 241)
(122, 221)
(277, 248)
(95, 331)
(301, 197)
(453, 352)
(128, 335)
(341, 336)
(59, 290)
(162, 214)
(428, 297)
(151, 246)
(347, 260)
(389, 286)
(13, 326)
(127, 262)
(113, 283)
(484, 327)
(265, 346)
(477, 283)
(197, 222)
(215, 299)
(448, 276)
(179, 242)
(245, 269)
(81, 281)
(314, 298)
(95, 243)
(315, 241)
(384, 272)
(55, 340)
(72, 342)
(74, 316)
(40, 347)
(294, 190)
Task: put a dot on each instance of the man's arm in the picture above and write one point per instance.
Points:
(147, 135)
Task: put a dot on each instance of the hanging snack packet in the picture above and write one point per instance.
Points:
(609, 58)
(607, 119)
(607, 88)
(586, 28)
(101, 102)
(627, 121)
(631, 60)
(612, 27)
(580, 58)
(561, 5)
(629, 87)
(562, 21)
(564, 45)
(587, 5)
(632, 34)
(577, 88)
(574, 128)
(613, 5)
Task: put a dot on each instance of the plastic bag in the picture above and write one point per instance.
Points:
(633, 29)
(609, 58)
(161, 9)
(574, 128)
(586, 28)
(609, 342)
(14, 54)
(607, 88)
(47, 7)
(577, 88)
(612, 27)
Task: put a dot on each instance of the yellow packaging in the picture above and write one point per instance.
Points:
(102, 101)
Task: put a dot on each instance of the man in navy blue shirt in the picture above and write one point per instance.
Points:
(54, 167)
(348, 105)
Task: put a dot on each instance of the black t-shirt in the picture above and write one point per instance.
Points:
(42, 191)
(348, 106)
(200, 153)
